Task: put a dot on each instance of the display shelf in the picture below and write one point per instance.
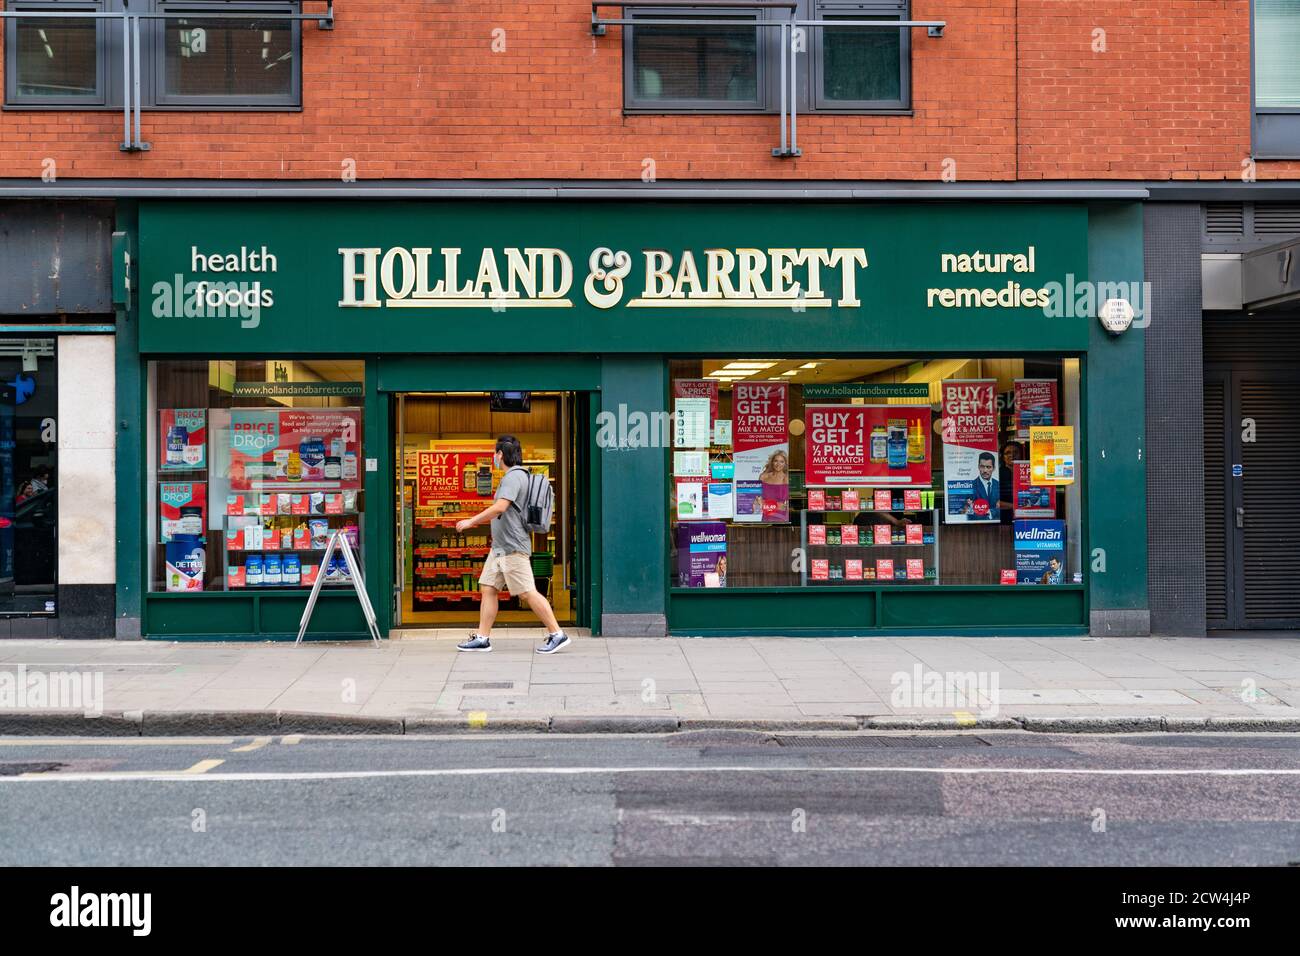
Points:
(836, 554)
(870, 511)
(427, 551)
(454, 595)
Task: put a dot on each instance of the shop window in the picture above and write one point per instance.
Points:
(841, 472)
(689, 67)
(1276, 37)
(720, 68)
(187, 59)
(29, 553)
(253, 467)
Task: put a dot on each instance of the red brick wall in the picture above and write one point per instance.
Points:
(412, 89)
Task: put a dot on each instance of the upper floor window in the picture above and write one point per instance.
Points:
(720, 67)
(1276, 76)
(198, 54)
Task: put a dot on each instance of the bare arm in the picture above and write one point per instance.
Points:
(484, 516)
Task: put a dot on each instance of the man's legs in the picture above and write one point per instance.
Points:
(542, 608)
(487, 612)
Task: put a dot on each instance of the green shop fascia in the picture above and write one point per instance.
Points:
(608, 302)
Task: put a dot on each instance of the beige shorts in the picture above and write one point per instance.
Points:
(508, 572)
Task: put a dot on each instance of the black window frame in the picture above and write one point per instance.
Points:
(153, 34)
(223, 101)
(811, 64)
(103, 28)
(1274, 130)
(864, 10)
(740, 14)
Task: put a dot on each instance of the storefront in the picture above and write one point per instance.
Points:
(56, 420)
(787, 418)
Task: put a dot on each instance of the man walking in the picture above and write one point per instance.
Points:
(509, 562)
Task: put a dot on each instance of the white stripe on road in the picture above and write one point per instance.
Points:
(172, 775)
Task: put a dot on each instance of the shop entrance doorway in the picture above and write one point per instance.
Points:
(444, 445)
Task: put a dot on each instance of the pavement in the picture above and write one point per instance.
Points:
(419, 683)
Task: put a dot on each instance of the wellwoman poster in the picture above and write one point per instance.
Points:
(760, 422)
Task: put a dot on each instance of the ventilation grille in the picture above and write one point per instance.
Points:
(1228, 221)
(1225, 219)
(1271, 540)
(1216, 505)
(1277, 219)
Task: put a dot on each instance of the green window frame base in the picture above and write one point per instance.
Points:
(967, 610)
(254, 616)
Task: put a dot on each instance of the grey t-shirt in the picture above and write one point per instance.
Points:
(509, 536)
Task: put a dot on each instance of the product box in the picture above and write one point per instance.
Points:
(317, 503)
(253, 537)
(310, 570)
(334, 504)
(851, 500)
(849, 534)
(884, 569)
(301, 539)
(268, 504)
(234, 504)
(915, 534)
(912, 499)
(186, 562)
(884, 499)
(915, 569)
(283, 504)
(883, 534)
(299, 505)
(820, 569)
(1008, 576)
(234, 539)
(816, 499)
(853, 569)
(817, 534)
(235, 577)
(270, 537)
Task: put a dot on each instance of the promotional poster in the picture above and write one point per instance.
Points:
(702, 555)
(184, 510)
(705, 388)
(1032, 501)
(1040, 552)
(183, 438)
(760, 421)
(1035, 404)
(1051, 455)
(283, 449)
(970, 451)
(867, 445)
(450, 473)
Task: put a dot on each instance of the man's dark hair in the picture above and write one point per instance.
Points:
(511, 453)
(987, 456)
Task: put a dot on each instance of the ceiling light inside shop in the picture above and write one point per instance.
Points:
(810, 364)
(793, 371)
(748, 366)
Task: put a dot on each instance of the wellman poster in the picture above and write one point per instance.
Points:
(970, 451)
